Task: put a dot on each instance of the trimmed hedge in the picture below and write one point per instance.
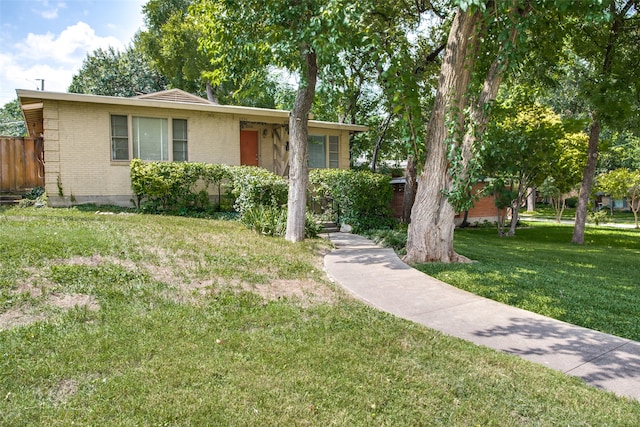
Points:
(359, 198)
(253, 186)
(173, 186)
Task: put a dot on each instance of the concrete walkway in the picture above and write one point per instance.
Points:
(378, 277)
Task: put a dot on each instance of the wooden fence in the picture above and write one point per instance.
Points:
(21, 164)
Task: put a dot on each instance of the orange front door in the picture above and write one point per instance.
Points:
(249, 147)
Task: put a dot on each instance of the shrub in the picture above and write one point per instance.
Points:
(396, 239)
(597, 217)
(34, 193)
(359, 198)
(272, 221)
(571, 202)
(253, 186)
(268, 220)
(174, 186)
(36, 197)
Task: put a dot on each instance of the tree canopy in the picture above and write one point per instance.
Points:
(11, 120)
(114, 73)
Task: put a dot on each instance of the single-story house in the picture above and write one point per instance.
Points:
(89, 140)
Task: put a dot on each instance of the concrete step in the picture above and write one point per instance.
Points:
(10, 199)
(329, 227)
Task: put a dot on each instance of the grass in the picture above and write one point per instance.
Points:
(183, 321)
(569, 214)
(595, 285)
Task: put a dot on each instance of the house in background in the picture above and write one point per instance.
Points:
(483, 210)
(89, 140)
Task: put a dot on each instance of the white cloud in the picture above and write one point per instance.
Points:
(17, 75)
(49, 14)
(69, 47)
(54, 58)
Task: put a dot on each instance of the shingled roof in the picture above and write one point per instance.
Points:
(175, 95)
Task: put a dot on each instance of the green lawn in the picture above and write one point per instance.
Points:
(133, 320)
(569, 214)
(595, 285)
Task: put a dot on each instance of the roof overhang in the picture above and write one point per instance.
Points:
(32, 111)
(32, 102)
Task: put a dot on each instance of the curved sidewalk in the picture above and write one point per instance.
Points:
(377, 276)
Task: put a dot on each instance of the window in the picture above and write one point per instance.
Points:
(150, 138)
(320, 151)
(334, 158)
(179, 140)
(317, 151)
(119, 138)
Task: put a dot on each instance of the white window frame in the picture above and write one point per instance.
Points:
(167, 139)
(331, 156)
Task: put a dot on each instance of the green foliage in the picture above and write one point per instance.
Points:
(522, 142)
(11, 120)
(253, 186)
(619, 183)
(34, 197)
(358, 198)
(272, 221)
(597, 217)
(174, 186)
(391, 238)
(571, 202)
(622, 183)
(619, 150)
(114, 73)
(267, 220)
(34, 193)
(172, 39)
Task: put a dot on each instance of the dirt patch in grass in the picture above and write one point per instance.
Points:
(35, 285)
(27, 314)
(308, 292)
(69, 301)
(19, 316)
(62, 391)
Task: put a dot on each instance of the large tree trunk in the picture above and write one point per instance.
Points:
(587, 183)
(298, 148)
(430, 235)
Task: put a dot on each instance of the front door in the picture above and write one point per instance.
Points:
(249, 147)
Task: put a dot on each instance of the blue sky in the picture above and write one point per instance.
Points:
(48, 39)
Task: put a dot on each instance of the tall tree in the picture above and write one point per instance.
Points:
(605, 48)
(172, 39)
(11, 120)
(622, 184)
(300, 35)
(459, 115)
(521, 146)
(115, 73)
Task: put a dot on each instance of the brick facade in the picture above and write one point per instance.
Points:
(483, 210)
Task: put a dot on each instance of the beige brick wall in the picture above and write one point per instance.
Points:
(78, 148)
